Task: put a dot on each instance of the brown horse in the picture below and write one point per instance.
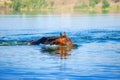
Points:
(62, 40)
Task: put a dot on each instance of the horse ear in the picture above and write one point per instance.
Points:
(65, 34)
(60, 34)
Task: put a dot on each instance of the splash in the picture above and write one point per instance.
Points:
(78, 38)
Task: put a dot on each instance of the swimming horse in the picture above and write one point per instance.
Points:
(65, 45)
(62, 40)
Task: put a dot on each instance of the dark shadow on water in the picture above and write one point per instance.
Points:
(61, 51)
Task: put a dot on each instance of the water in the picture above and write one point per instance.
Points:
(95, 58)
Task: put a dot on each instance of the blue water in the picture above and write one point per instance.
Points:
(96, 57)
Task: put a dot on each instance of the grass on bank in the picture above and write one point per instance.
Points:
(39, 6)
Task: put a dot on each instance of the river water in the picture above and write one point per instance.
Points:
(96, 57)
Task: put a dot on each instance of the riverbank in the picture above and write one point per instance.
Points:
(59, 6)
(60, 11)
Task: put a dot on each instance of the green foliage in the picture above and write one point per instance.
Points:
(97, 1)
(92, 3)
(5, 3)
(44, 5)
(105, 4)
(29, 4)
(83, 6)
(16, 5)
(10, 6)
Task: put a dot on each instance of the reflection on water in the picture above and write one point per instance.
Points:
(62, 51)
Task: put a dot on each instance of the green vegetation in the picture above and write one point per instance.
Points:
(83, 6)
(18, 5)
(92, 3)
(5, 3)
(105, 4)
(58, 6)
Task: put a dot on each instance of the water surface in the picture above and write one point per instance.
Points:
(95, 58)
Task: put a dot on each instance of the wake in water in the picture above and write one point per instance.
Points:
(78, 38)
